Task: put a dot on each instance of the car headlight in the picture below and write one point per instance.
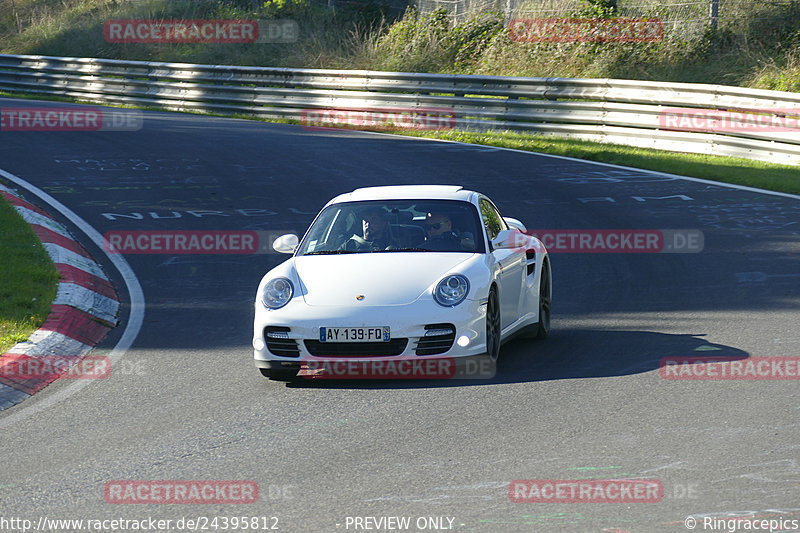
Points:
(451, 291)
(277, 293)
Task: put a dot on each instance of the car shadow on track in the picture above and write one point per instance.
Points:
(566, 354)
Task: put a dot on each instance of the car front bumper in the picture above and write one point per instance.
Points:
(405, 322)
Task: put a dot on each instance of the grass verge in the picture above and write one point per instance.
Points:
(28, 279)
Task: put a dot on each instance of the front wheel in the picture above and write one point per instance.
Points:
(545, 298)
(541, 329)
(493, 326)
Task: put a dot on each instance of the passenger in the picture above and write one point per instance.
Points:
(440, 234)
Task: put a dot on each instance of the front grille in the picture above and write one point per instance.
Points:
(279, 344)
(356, 349)
(436, 344)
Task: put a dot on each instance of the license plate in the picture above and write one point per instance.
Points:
(369, 334)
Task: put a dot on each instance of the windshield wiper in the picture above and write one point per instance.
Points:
(403, 250)
(331, 252)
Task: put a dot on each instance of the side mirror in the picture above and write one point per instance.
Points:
(513, 223)
(286, 244)
(512, 239)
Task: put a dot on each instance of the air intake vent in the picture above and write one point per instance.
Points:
(438, 339)
(531, 256)
(356, 349)
(279, 343)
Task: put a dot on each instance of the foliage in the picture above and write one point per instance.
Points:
(757, 47)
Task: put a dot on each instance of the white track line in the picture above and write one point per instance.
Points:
(135, 319)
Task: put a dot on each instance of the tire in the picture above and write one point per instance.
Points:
(545, 300)
(493, 326)
(279, 374)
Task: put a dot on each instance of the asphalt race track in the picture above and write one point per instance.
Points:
(186, 403)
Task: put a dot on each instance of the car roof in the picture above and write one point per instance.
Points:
(406, 192)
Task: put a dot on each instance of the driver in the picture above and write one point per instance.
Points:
(376, 234)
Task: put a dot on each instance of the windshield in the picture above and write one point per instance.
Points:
(395, 226)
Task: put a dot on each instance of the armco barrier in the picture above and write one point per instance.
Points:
(615, 111)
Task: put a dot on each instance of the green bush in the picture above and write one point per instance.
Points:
(758, 46)
(433, 42)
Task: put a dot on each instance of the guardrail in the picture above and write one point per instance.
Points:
(613, 111)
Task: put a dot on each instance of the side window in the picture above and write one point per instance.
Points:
(492, 220)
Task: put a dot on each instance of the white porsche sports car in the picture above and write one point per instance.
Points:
(401, 273)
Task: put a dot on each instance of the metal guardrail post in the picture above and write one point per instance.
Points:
(713, 13)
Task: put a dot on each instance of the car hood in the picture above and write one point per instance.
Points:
(382, 278)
